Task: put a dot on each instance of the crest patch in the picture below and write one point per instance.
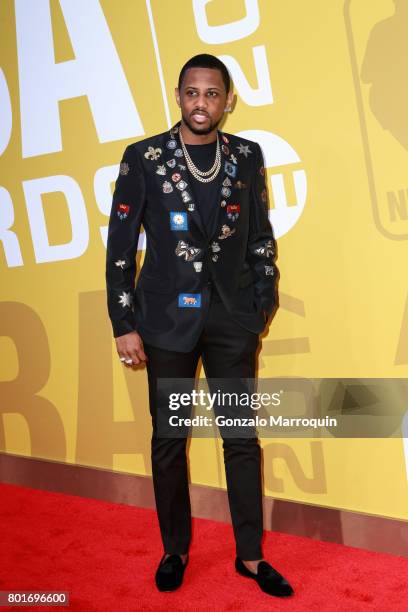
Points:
(122, 210)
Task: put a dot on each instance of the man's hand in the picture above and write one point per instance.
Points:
(130, 349)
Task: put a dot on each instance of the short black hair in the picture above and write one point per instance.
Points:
(204, 60)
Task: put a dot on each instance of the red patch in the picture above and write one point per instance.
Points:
(233, 209)
(123, 208)
(176, 177)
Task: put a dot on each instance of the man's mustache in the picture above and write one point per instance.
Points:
(197, 111)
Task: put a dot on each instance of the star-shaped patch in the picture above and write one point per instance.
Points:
(243, 149)
(125, 299)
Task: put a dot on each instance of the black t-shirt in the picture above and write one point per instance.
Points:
(206, 194)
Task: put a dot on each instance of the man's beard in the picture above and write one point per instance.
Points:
(201, 131)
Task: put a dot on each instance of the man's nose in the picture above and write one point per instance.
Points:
(202, 101)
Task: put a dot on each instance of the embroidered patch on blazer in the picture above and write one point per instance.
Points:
(181, 185)
(233, 211)
(178, 221)
(186, 197)
(153, 153)
(189, 300)
(243, 149)
(167, 187)
(183, 249)
(124, 168)
(122, 210)
(266, 249)
(125, 299)
(226, 232)
(230, 169)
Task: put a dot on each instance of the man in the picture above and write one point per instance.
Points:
(206, 289)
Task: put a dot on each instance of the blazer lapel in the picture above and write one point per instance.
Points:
(229, 170)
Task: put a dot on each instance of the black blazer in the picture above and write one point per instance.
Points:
(171, 299)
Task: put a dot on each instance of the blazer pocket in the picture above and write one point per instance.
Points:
(155, 284)
(245, 279)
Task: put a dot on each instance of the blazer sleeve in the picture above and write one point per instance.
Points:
(128, 204)
(261, 240)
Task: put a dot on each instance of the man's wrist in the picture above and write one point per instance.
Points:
(121, 328)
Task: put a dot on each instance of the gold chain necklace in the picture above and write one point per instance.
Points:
(209, 175)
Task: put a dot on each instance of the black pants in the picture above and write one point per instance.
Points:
(227, 350)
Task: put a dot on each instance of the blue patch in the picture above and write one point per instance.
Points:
(230, 169)
(189, 300)
(178, 221)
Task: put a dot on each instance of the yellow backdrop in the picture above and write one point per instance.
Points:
(320, 86)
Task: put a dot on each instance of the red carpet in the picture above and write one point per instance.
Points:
(106, 554)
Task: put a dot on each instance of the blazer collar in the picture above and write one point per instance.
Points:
(180, 176)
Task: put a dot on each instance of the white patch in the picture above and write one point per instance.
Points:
(153, 153)
(243, 149)
(178, 219)
(125, 299)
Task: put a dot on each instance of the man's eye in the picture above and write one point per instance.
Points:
(191, 93)
(213, 94)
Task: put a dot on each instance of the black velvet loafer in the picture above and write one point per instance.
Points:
(268, 579)
(169, 574)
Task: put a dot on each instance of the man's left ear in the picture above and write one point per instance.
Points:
(177, 94)
(229, 102)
